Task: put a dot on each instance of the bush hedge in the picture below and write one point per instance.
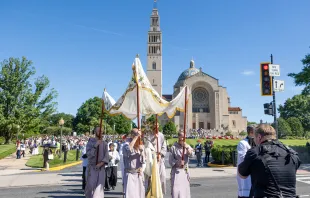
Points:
(294, 138)
(226, 151)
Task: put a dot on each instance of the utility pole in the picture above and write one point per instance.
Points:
(274, 103)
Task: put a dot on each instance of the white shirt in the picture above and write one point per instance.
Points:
(115, 156)
(244, 185)
(85, 160)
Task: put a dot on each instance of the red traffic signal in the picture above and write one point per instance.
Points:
(265, 67)
(265, 80)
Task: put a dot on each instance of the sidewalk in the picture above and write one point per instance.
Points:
(11, 165)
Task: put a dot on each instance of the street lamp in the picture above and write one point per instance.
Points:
(17, 132)
(61, 123)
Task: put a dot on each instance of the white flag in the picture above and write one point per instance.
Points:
(108, 100)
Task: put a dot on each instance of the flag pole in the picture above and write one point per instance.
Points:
(184, 128)
(100, 127)
(156, 121)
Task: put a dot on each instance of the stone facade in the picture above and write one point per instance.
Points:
(209, 105)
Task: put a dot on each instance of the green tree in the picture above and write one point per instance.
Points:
(296, 126)
(284, 128)
(243, 133)
(55, 130)
(88, 117)
(152, 119)
(53, 120)
(24, 106)
(228, 133)
(299, 107)
(303, 78)
(169, 129)
(251, 123)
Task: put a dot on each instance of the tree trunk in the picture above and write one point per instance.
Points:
(7, 137)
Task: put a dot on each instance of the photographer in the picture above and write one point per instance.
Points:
(244, 185)
(271, 165)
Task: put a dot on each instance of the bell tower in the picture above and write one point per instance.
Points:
(154, 51)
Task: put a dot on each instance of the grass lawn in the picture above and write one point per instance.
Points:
(235, 142)
(36, 161)
(6, 150)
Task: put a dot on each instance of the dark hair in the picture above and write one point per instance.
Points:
(111, 144)
(250, 129)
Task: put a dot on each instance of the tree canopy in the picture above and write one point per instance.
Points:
(54, 119)
(284, 128)
(303, 78)
(88, 117)
(169, 129)
(296, 126)
(24, 106)
(299, 107)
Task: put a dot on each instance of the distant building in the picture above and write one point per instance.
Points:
(209, 107)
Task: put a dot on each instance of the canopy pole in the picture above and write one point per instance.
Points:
(100, 128)
(156, 131)
(138, 112)
(184, 128)
(138, 102)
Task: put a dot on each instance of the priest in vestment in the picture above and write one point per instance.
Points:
(161, 153)
(134, 160)
(96, 171)
(180, 179)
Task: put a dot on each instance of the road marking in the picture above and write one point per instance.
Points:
(303, 178)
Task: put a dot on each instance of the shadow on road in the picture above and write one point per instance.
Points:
(67, 196)
(71, 191)
(71, 175)
(73, 180)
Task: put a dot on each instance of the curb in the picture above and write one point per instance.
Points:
(218, 166)
(57, 168)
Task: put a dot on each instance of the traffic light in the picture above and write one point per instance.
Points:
(265, 80)
(268, 108)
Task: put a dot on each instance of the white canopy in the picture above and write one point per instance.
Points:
(108, 100)
(149, 100)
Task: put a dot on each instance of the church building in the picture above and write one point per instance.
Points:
(209, 106)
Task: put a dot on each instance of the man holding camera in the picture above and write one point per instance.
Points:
(271, 165)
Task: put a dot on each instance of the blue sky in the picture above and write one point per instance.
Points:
(84, 46)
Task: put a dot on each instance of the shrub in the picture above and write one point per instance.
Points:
(227, 151)
(228, 133)
(243, 133)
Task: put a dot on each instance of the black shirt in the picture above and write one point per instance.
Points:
(283, 165)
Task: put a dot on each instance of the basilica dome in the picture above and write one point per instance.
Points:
(188, 72)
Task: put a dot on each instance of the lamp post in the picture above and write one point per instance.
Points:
(24, 137)
(61, 123)
(17, 132)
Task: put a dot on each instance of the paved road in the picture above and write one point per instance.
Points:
(219, 187)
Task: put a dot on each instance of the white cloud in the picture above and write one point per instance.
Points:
(248, 73)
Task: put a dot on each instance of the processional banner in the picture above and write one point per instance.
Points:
(150, 101)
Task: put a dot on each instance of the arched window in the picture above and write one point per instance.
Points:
(154, 66)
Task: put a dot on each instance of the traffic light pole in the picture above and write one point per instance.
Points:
(274, 103)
